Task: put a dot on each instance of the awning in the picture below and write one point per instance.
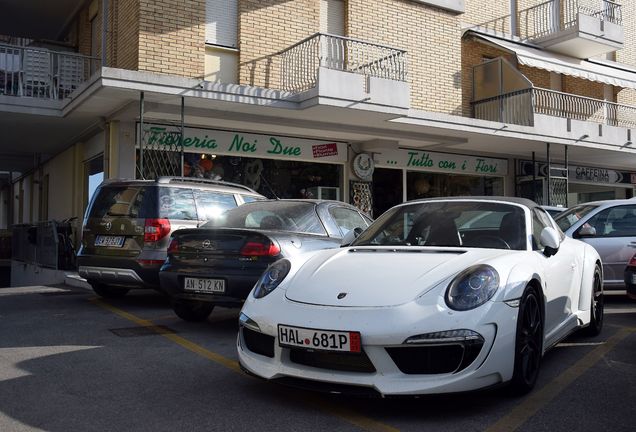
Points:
(565, 65)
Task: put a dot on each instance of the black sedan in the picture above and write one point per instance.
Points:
(219, 263)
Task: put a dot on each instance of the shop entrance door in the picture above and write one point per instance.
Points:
(387, 189)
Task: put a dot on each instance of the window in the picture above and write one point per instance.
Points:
(347, 219)
(332, 17)
(211, 205)
(176, 203)
(617, 221)
(539, 222)
(221, 23)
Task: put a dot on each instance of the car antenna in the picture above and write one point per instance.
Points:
(270, 187)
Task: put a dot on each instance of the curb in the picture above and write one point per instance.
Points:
(75, 280)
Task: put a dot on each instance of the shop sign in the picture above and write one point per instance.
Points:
(583, 174)
(418, 160)
(199, 140)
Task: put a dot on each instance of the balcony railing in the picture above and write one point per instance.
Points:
(558, 15)
(519, 108)
(300, 62)
(40, 73)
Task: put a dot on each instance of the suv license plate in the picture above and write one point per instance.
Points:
(318, 339)
(216, 286)
(116, 241)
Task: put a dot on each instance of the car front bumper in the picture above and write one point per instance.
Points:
(383, 328)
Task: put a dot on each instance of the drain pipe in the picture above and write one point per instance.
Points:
(104, 31)
(513, 17)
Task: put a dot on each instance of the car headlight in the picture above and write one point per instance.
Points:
(271, 278)
(472, 287)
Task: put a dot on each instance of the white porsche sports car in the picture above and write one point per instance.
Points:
(439, 295)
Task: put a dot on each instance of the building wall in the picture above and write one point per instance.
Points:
(172, 37)
(581, 87)
(65, 183)
(126, 38)
(627, 55)
(432, 39)
(494, 15)
(267, 27)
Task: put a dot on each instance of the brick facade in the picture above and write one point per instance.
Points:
(172, 37)
(432, 38)
(267, 27)
(168, 36)
(627, 55)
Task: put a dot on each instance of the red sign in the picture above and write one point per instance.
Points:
(323, 150)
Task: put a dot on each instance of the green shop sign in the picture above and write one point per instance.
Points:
(418, 160)
(198, 140)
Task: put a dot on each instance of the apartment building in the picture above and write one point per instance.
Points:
(373, 102)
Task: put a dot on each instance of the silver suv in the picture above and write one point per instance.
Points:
(127, 226)
(609, 226)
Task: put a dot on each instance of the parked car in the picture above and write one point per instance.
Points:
(554, 211)
(127, 226)
(415, 305)
(609, 226)
(220, 262)
(630, 277)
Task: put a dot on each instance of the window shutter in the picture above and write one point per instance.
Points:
(332, 18)
(221, 22)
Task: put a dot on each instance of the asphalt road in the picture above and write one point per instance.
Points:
(72, 362)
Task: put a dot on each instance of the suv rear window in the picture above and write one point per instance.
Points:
(176, 203)
(125, 201)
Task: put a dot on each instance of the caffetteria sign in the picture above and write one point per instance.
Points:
(199, 140)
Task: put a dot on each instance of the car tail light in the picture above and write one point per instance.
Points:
(260, 248)
(174, 246)
(156, 229)
(632, 261)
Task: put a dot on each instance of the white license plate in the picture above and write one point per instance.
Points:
(216, 286)
(634, 278)
(116, 241)
(318, 339)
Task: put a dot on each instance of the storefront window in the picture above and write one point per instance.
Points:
(429, 185)
(272, 178)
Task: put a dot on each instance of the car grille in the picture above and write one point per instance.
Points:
(346, 362)
(434, 359)
(258, 343)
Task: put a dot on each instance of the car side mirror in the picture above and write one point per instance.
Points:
(586, 231)
(350, 236)
(551, 240)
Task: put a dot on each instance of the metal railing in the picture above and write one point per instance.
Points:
(300, 62)
(44, 244)
(41, 73)
(519, 108)
(515, 108)
(558, 15)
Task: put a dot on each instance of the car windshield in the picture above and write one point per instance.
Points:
(475, 224)
(278, 215)
(569, 217)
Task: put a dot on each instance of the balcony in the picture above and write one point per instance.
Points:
(551, 111)
(578, 28)
(345, 68)
(41, 73)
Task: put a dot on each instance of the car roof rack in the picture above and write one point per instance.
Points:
(169, 179)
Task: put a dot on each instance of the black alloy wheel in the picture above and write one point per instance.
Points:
(528, 343)
(192, 310)
(598, 306)
(109, 292)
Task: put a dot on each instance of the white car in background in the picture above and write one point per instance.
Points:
(417, 305)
